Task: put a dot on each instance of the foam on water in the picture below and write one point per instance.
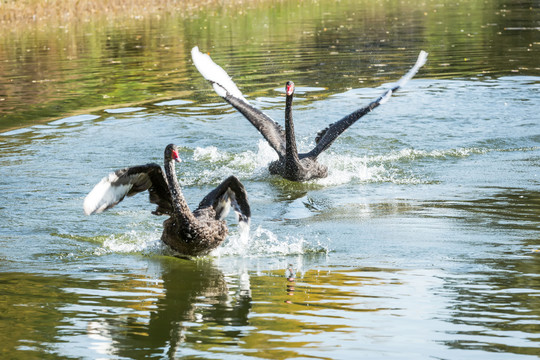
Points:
(342, 168)
(246, 164)
(265, 154)
(132, 242)
(209, 153)
(413, 154)
(240, 242)
(263, 242)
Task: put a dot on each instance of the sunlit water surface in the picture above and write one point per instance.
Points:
(421, 243)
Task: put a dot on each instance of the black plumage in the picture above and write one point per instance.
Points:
(189, 233)
(290, 165)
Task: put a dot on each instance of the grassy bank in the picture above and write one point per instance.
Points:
(23, 13)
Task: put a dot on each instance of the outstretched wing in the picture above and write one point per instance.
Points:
(227, 89)
(326, 137)
(127, 182)
(229, 193)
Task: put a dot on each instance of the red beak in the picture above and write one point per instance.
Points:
(289, 89)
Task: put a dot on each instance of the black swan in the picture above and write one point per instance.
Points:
(291, 165)
(189, 233)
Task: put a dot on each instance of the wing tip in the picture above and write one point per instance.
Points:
(91, 204)
(422, 58)
(103, 195)
(221, 81)
(88, 207)
(420, 61)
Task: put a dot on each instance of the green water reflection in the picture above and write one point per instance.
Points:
(191, 305)
(55, 71)
(30, 315)
(192, 308)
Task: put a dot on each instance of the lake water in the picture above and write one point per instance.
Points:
(423, 242)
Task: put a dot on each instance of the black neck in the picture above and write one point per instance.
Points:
(179, 203)
(291, 152)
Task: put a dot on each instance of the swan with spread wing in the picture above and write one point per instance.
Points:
(290, 165)
(189, 233)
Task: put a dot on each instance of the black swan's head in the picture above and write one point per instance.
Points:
(171, 153)
(289, 88)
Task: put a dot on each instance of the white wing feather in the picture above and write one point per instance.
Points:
(214, 73)
(422, 58)
(105, 195)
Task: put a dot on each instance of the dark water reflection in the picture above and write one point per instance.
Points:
(194, 303)
(179, 308)
(51, 72)
(30, 313)
(127, 316)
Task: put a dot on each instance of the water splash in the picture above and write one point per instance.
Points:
(264, 155)
(210, 154)
(343, 169)
(392, 166)
(263, 242)
(237, 243)
(246, 164)
(242, 242)
(132, 242)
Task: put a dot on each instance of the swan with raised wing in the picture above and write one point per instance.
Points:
(189, 233)
(290, 165)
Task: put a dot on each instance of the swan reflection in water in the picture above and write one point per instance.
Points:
(196, 303)
(290, 274)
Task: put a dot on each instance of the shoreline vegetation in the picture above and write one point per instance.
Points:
(60, 58)
(56, 26)
(17, 14)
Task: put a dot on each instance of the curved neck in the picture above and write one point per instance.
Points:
(179, 203)
(291, 152)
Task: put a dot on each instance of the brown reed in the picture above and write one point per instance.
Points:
(35, 12)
